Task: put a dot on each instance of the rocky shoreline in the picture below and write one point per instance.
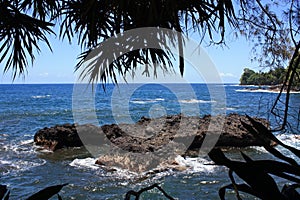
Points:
(149, 135)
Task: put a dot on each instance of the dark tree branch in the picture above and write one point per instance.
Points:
(138, 193)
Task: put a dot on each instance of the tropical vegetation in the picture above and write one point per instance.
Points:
(274, 77)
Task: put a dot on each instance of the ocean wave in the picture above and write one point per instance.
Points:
(85, 163)
(89, 163)
(264, 91)
(25, 142)
(234, 85)
(138, 101)
(187, 165)
(41, 96)
(289, 139)
(196, 101)
(195, 164)
(7, 166)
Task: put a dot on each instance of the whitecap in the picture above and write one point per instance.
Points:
(138, 102)
(196, 101)
(25, 142)
(19, 165)
(85, 163)
(265, 91)
(229, 108)
(290, 139)
(89, 163)
(144, 101)
(234, 85)
(195, 164)
(40, 96)
(4, 162)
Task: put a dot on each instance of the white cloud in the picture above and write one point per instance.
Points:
(46, 74)
(227, 75)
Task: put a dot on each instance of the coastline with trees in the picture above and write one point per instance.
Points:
(274, 79)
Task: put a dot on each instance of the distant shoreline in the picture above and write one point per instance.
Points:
(268, 88)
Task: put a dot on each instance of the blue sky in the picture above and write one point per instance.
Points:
(58, 66)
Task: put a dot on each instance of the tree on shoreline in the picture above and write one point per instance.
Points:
(274, 77)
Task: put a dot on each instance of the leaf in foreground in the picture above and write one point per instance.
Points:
(47, 193)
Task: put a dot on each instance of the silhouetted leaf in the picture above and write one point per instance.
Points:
(7, 196)
(255, 176)
(241, 187)
(265, 134)
(289, 191)
(3, 191)
(47, 193)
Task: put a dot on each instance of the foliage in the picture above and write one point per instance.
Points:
(138, 193)
(257, 173)
(44, 194)
(245, 76)
(94, 21)
(24, 24)
(273, 77)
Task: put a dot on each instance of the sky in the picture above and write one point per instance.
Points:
(58, 66)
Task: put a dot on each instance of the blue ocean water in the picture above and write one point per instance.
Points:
(26, 108)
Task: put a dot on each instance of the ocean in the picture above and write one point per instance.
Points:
(26, 108)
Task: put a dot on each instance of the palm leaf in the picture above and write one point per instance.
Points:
(46, 193)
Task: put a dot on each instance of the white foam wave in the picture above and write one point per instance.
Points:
(159, 99)
(137, 101)
(25, 142)
(234, 85)
(195, 164)
(196, 101)
(4, 162)
(41, 96)
(89, 163)
(264, 91)
(290, 139)
(85, 163)
(229, 108)
(19, 165)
